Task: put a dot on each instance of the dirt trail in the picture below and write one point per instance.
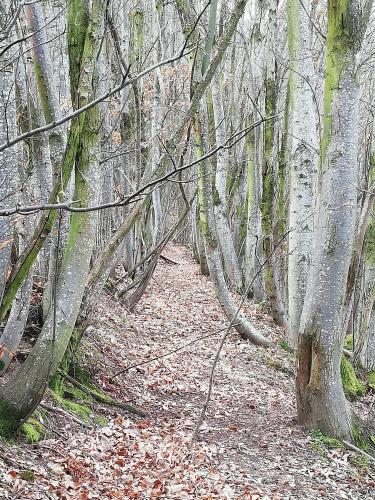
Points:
(250, 446)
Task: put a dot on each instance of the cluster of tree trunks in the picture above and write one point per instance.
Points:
(239, 128)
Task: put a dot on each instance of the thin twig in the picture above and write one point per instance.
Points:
(228, 144)
(157, 358)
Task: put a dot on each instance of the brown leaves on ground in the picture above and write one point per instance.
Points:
(250, 446)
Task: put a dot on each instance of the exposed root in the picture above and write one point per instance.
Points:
(103, 398)
(65, 413)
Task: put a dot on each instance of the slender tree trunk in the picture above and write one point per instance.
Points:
(302, 159)
(211, 243)
(231, 263)
(8, 158)
(269, 172)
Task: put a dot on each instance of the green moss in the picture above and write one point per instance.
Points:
(341, 34)
(32, 430)
(80, 410)
(57, 382)
(82, 376)
(349, 342)
(360, 438)
(352, 386)
(359, 461)
(8, 417)
(78, 19)
(243, 225)
(326, 441)
(285, 346)
(322, 450)
(27, 475)
(100, 420)
(72, 392)
(371, 380)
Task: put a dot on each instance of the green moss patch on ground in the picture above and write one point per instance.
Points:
(32, 430)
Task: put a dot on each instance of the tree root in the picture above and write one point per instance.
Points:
(66, 413)
(102, 398)
(352, 447)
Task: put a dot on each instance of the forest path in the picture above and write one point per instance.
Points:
(249, 445)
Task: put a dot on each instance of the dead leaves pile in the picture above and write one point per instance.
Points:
(125, 459)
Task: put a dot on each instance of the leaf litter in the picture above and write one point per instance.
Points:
(249, 445)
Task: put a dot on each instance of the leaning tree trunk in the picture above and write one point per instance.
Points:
(211, 243)
(321, 401)
(48, 97)
(23, 392)
(48, 218)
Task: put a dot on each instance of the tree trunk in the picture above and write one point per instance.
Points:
(230, 259)
(302, 160)
(269, 172)
(23, 392)
(211, 243)
(321, 401)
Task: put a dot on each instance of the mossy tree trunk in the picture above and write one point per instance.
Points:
(76, 39)
(269, 173)
(321, 401)
(48, 94)
(23, 392)
(228, 251)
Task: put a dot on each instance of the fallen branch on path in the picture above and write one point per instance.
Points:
(352, 447)
(168, 260)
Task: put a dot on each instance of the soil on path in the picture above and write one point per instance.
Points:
(249, 444)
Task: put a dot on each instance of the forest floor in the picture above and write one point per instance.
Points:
(249, 445)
